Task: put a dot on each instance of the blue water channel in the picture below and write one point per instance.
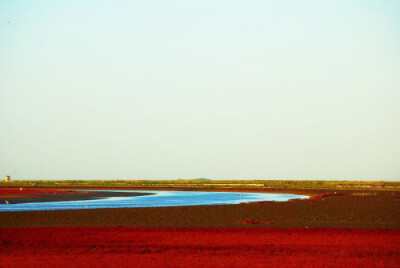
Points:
(157, 199)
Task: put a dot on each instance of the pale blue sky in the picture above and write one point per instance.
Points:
(189, 89)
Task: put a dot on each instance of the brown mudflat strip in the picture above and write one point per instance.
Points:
(59, 196)
(353, 209)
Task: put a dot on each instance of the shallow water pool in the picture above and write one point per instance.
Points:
(157, 199)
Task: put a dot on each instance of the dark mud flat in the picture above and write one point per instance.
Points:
(351, 209)
(66, 196)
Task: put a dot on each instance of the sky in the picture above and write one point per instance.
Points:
(200, 89)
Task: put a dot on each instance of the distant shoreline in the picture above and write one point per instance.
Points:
(209, 184)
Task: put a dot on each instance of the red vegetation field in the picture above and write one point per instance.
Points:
(198, 247)
(32, 191)
(21, 193)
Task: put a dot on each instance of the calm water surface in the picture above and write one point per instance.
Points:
(158, 199)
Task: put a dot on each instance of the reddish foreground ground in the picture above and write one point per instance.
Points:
(198, 247)
(80, 238)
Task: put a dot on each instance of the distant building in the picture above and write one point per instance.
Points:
(7, 178)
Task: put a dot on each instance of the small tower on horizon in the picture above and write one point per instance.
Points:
(7, 178)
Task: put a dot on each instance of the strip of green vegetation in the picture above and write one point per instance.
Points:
(199, 183)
